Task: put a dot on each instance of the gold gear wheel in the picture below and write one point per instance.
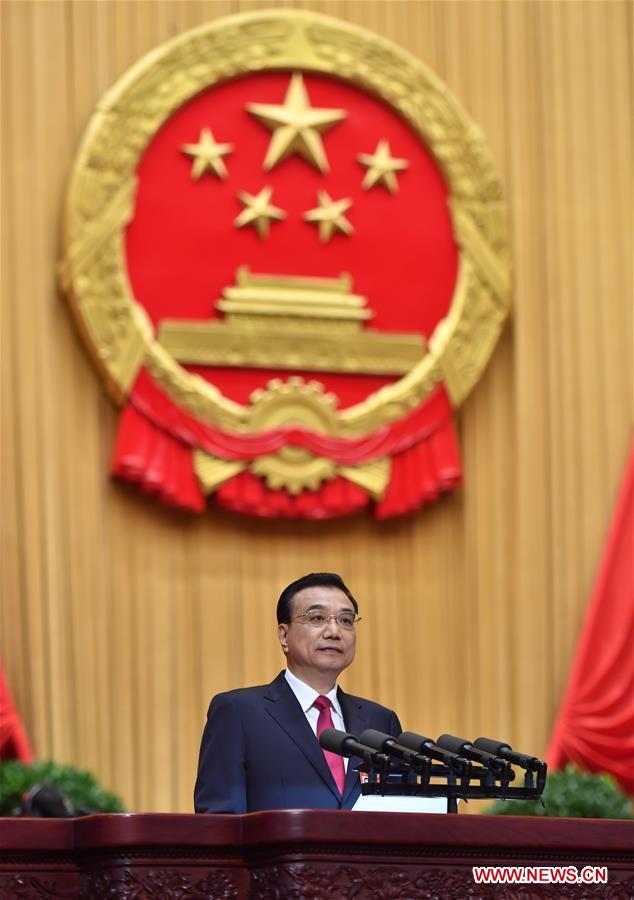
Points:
(293, 402)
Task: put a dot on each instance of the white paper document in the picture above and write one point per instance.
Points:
(377, 803)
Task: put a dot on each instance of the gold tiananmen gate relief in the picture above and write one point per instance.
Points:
(286, 249)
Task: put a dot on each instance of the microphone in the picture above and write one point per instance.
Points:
(425, 745)
(500, 748)
(347, 745)
(385, 743)
(46, 801)
(462, 746)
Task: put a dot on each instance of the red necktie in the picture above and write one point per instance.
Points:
(335, 762)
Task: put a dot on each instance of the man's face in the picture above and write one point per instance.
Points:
(320, 653)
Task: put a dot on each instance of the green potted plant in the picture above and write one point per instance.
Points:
(80, 787)
(571, 793)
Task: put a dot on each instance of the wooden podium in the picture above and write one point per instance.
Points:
(302, 855)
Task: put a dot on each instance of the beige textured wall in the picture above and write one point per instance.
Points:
(119, 619)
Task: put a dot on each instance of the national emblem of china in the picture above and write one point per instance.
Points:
(286, 248)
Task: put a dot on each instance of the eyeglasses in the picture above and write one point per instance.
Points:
(319, 620)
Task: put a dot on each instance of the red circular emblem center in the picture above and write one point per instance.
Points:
(184, 248)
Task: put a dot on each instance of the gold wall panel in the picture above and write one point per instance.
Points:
(119, 618)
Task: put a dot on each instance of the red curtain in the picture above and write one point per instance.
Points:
(14, 743)
(595, 727)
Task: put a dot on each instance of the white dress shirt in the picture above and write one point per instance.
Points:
(306, 697)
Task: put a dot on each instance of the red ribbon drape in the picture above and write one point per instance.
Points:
(247, 494)
(595, 726)
(152, 403)
(157, 462)
(156, 439)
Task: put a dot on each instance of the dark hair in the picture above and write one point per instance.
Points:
(315, 579)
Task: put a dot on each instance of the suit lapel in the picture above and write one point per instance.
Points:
(284, 707)
(355, 721)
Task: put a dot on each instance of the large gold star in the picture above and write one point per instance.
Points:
(297, 126)
(258, 211)
(330, 216)
(381, 167)
(207, 155)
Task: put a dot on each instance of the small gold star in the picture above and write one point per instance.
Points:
(381, 167)
(330, 216)
(296, 126)
(258, 211)
(207, 155)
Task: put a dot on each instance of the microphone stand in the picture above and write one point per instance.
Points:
(395, 774)
(488, 785)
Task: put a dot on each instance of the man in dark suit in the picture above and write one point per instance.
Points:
(260, 747)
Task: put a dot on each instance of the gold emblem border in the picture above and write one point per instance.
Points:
(101, 193)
